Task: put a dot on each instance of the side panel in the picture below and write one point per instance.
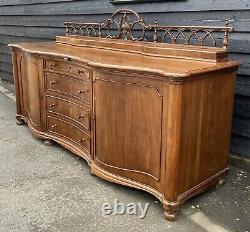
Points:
(206, 127)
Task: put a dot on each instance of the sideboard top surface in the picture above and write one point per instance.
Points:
(170, 61)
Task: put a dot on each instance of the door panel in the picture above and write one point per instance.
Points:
(128, 128)
(29, 75)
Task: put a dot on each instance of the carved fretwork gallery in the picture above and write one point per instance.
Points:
(127, 24)
(149, 115)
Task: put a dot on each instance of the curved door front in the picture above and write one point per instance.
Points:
(128, 130)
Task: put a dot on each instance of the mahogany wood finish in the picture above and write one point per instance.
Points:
(156, 117)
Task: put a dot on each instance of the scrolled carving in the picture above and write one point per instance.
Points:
(128, 25)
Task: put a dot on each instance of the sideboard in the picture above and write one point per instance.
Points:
(149, 115)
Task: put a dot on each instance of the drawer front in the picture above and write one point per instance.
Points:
(68, 131)
(69, 109)
(67, 67)
(68, 86)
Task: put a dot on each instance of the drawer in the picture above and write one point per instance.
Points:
(68, 131)
(66, 66)
(69, 86)
(69, 109)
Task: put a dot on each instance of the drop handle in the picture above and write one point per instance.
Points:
(52, 105)
(52, 83)
(82, 116)
(82, 140)
(52, 65)
(80, 71)
(82, 91)
(67, 59)
(54, 126)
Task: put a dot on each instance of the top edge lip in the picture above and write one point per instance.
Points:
(177, 76)
(165, 74)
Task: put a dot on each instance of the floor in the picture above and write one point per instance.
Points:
(49, 189)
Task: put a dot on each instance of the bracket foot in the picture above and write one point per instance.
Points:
(48, 142)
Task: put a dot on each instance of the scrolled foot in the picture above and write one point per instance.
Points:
(170, 215)
(48, 142)
(19, 121)
(171, 211)
(91, 173)
(221, 182)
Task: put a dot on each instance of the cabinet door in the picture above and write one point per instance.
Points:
(128, 129)
(29, 89)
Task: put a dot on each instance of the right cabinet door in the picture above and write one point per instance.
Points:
(128, 130)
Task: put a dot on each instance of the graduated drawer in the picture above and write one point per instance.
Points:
(69, 131)
(66, 66)
(79, 89)
(69, 109)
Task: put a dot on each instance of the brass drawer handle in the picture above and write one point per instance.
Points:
(82, 115)
(67, 59)
(54, 126)
(52, 65)
(82, 140)
(80, 71)
(52, 105)
(82, 91)
(52, 83)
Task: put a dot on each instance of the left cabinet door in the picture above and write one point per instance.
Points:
(27, 81)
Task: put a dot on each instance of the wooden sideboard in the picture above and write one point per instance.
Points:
(152, 116)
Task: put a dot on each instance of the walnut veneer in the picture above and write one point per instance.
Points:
(150, 116)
